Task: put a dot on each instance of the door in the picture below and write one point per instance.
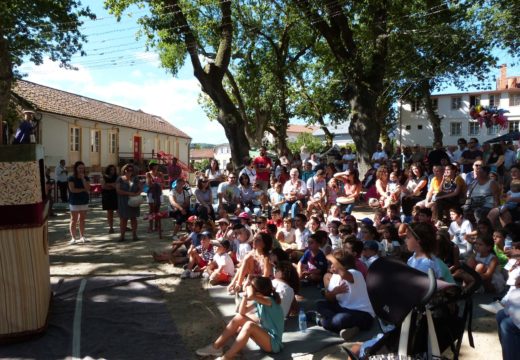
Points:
(137, 148)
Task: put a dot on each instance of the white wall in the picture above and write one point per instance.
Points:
(424, 136)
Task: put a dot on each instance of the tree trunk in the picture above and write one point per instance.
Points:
(434, 118)
(364, 129)
(6, 81)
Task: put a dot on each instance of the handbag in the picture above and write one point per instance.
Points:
(135, 201)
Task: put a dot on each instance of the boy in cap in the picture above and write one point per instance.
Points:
(222, 269)
(200, 256)
(370, 252)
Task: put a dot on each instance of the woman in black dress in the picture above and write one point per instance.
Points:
(109, 195)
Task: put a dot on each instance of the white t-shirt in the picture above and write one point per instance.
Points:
(302, 238)
(458, 233)
(335, 241)
(347, 158)
(356, 298)
(288, 235)
(243, 250)
(225, 260)
(300, 187)
(315, 186)
(286, 295)
(378, 158)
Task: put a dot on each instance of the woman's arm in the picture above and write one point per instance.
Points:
(496, 193)
(490, 269)
(379, 188)
(74, 189)
(418, 189)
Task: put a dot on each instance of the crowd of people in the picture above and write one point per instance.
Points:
(280, 225)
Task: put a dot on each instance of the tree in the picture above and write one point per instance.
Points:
(312, 143)
(29, 32)
(202, 30)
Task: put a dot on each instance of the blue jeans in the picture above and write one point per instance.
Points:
(290, 206)
(509, 335)
(349, 208)
(335, 318)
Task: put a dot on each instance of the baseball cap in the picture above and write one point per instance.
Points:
(224, 243)
(367, 221)
(206, 233)
(192, 218)
(244, 215)
(371, 245)
(222, 220)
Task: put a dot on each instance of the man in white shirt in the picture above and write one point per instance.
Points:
(61, 176)
(348, 159)
(294, 191)
(379, 156)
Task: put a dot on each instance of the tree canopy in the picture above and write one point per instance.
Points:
(31, 31)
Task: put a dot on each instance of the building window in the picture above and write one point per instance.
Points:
(474, 100)
(75, 137)
(113, 146)
(473, 128)
(514, 126)
(494, 99)
(514, 99)
(455, 129)
(419, 127)
(408, 127)
(493, 130)
(95, 141)
(435, 104)
(456, 103)
(415, 105)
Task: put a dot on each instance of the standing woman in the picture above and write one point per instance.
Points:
(154, 180)
(109, 195)
(79, 189)
(127, 185)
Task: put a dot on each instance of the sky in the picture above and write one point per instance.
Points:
(119, 70)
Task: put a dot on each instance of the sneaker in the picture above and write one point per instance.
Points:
(208, 350)
(205, 275)
(72, 242)
(195, 275)
(349, 333)
(83, 240)
(493, 307)
(185, 274)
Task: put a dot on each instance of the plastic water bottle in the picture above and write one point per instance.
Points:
(508, 243)
(302, 321)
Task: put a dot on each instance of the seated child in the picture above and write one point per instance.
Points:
(199, 257)
(175, 255)
(512, 195)
(346, 308)
(286, 284)
(354, 247)
(485, 263)
(313, 264)
(265, 329)
(221, 270)
(393, 190)
(370, 252)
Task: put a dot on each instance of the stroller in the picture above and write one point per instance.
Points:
(420, 316)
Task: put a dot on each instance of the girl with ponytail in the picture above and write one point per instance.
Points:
(266, 328)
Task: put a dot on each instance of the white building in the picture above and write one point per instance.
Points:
(222, 154)
(73, 127)
(341, 135)
(454, 110)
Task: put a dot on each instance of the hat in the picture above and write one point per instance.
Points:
(367, 221)
(371, 245)
(244, 215)
(192, 218)
(206, 233)
(222, 220)
(224, 243)
(29, 112)
(152, 162)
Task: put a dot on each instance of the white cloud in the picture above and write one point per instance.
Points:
(156, 93)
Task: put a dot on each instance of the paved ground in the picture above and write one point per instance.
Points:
(189, 301)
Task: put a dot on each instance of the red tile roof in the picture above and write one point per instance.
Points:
(201, 154)
(46, 99)
(295, 128)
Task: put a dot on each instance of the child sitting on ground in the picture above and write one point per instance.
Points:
(512, 195)
(199, 257)
(370, 252)
(393, 190)
(354, 247)
(485, 263)
(221, 270)
(265, 329)
(286, 283)
(313, 264)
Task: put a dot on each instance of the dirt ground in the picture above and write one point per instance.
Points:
(188, 301)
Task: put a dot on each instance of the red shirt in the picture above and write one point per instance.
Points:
(261, 162)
